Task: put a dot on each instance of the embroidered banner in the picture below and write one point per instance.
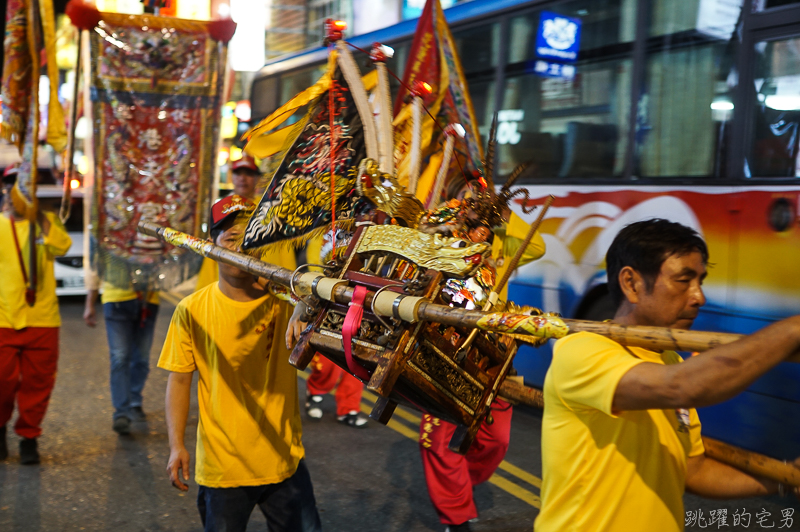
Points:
(156, 92)
(297, 204)
(30, 36)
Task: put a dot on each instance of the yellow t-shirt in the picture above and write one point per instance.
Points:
(249, 433)
(209, 270)
(605, 471)
(112, 294)
(14, 310)
(506, 244)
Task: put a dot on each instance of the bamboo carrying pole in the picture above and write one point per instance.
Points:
(754, 463)
(649, 337)
(654, 338)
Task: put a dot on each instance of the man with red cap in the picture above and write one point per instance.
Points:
(231, 333)
(29, 320)
(244, 176)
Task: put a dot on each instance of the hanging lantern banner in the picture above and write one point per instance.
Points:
(156, 92)
(29, 42)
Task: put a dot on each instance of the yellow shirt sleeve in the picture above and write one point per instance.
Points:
(671, 357)
(178, 352)
(586, 370)
(516, 231)
(57, 241)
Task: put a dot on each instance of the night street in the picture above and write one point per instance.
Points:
(365, 480)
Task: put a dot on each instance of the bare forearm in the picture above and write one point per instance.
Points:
(179, 388)
(725, 371)
(91, 297)
(715, 480)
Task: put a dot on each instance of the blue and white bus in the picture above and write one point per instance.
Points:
(683, 109)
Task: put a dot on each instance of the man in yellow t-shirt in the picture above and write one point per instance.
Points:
(620, 436)
(249, 436)
(130, 319)
(29, 322)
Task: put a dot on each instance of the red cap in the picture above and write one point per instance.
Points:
(246, 162)
(228, 206)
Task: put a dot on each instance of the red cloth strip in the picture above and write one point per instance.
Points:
(352, 322)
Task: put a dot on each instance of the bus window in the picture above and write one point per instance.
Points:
(264, 98)
(478, 48)
(568, 119)
(776, 129)
(482, 93)
(685, 107)
(298, 81)
(761, 5)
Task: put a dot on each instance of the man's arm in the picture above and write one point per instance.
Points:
(92, 282)
(711, 377)
(296, 325)
(179, 386)
(89, 313)
(714, 480)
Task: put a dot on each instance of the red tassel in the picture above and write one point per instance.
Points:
(222, 29)
(83, 15)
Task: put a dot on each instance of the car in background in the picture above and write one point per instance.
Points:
(68, 268)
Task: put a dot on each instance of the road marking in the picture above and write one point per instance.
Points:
(518, 492)
(171, 297)
(497, 480)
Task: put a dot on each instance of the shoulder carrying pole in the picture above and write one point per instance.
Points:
(655, 338)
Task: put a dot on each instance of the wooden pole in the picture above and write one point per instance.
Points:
(654, 338)
(753, 463)
(66, 198)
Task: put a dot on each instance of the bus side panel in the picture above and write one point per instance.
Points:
(751, 283)
(761, 423)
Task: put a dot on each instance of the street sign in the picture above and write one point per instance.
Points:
(558, 37)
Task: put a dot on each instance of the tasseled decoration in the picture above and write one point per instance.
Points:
(222, 29)
(84, 15)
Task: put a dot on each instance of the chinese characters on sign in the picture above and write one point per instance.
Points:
(554, 70)
(743, 518)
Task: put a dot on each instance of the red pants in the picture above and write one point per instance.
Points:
(28, 361)
(324, 376)
(451, 476)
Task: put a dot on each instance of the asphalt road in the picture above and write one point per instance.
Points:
(365, 480)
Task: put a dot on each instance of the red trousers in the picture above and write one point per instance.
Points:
(451, 476)
(324, 376)
(28, 361)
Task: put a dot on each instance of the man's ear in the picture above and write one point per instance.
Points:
(631, 284)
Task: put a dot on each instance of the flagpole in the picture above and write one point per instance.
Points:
(66, 198)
